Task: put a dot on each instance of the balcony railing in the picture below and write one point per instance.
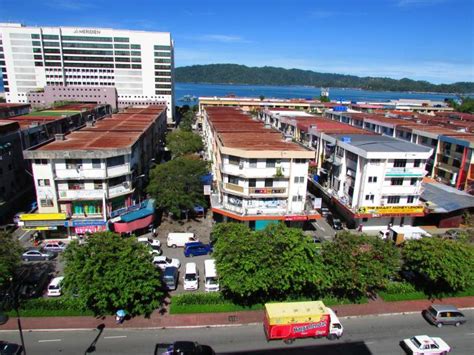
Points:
(81, 194)
(234, 187)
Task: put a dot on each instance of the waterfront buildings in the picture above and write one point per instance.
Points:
(259, 177)
(83, 177)
(139, 64)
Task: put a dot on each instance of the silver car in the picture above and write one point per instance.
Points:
(36, 255)
(440, 314)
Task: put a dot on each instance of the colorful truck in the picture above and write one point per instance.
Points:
(291, 320)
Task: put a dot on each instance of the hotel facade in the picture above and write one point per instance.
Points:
(139, 64)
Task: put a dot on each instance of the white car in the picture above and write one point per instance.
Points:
(152, 242)
(54, 246)
(54, 287)
(163, 262)
(424, 344)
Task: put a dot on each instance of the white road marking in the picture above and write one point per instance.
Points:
(25, 233)
(48, 340)
(322, 228)
(115, 337)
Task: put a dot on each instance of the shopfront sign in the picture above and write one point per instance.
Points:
(42, 216)
(383, 210)
(296, 218)
(85, 223)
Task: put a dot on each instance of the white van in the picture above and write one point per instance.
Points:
(191, 277)
(211, 283)
(335, 328)
(54, 287)
(179, 239)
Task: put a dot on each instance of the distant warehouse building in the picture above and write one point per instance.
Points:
(260, 178)
(139, 64)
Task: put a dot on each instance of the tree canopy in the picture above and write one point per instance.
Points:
(241, 74)
(10, 256)
(176, 185)
(181, 142)
(358, 264)
(109, 273)
(444, 265)
(257, 266)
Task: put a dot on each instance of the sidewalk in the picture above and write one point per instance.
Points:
(156, 320)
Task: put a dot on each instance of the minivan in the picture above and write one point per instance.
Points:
(170, 278)
(54, 287)
(191, 277)
(211, 281)
(180, 239)
(197, 248)
(440, 314)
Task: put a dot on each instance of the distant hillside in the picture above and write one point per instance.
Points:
(241, 74)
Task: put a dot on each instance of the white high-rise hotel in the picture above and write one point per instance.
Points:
(139, 64)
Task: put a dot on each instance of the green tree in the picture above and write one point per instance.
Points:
(467, 105)
(109, 273)
(357, 265)
(272, 264)
(181, 143)
(10, 257)
(324, 98)
(176, 185)
(443, 265)
(187, 121)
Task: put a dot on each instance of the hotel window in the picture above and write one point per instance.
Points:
(372, 178)
(121, 39)
(268, 182)
(399, 163)
(393, 199)
(121, 46)
(46, 203)
(369, 198)
(459, 148)
(97, 185)
(252, 182)
(43, 182)
(417, 163)
(234, 160)
(411, 199)
(96, 163)
(120, 160)
(233, 179)
(270, 163)
(56, 37)
(253, 163)
(413, 181)
(75, 185)
(396, 181)
(162, 48)
(135, 46)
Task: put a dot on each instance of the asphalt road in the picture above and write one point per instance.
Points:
(362, 336)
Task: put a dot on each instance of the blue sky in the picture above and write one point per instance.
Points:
(421, 39)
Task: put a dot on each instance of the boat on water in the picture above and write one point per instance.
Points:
(188, 98)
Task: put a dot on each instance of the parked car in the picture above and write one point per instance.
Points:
(440, 314)
(36, 255)
(16, 219)
(170, 277)
(7, 348)
(54, 287)
(452, 234)
(425, 345)
(325, 212)
(191, 277)
(175, 240)
(184, 347)
(334, 222)
(55, 247)
(163, 262)
(153, 245)
(197, 248)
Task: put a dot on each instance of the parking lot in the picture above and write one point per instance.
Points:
(201, 228)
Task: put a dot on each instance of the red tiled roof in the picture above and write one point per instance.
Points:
(119, 131)
(251, 135)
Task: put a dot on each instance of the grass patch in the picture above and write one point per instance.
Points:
(404, 291)
(50, 307)
(216, 303)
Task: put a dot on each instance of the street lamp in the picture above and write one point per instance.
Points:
(11, 297)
